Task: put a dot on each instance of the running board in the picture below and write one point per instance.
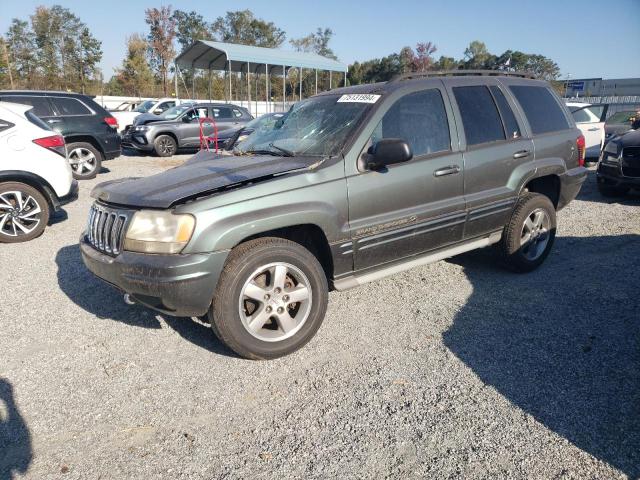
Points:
(353, 281)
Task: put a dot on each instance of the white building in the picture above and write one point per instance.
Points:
(599, 87)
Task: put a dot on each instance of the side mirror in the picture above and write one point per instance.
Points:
(387, 151)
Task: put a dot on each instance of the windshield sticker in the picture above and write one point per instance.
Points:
(359, 98)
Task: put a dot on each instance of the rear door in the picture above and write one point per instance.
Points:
(224, 117)
(590, 120)
(497, 149)
(189, 132)
(72, 116)
(412, 207)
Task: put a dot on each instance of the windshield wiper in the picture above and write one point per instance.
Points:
(285, 152)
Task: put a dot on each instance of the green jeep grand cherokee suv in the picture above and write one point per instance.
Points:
(353, 185)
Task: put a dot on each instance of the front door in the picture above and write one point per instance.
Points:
(189, 131)
(416, 206)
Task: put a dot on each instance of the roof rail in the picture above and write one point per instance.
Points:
(461, 73)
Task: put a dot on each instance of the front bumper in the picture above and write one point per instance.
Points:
(179, 285)
(137, 141)
(611, 174)
(570, 183)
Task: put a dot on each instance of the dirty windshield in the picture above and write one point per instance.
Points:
(318, 126)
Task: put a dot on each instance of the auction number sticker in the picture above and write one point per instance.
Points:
(359, 98)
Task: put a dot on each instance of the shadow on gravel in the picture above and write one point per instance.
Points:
(562, 343)
(104, 301)
(15, 439)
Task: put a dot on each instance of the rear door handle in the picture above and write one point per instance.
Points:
(450, 170)
(521, 154)
(594, 129)
(53, 120)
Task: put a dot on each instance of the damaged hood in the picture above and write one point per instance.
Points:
(205, 173)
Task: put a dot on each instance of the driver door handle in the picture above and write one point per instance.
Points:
(521, 154)
(594, 129)
(450, 170)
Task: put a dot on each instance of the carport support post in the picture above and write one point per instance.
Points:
(266, 87)
(230, 94)
(284, 88)
(300, 75)
(248, 90)
(316, 81)
(175, 79)
(345, 78)
(330, 79)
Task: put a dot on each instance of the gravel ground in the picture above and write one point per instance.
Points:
(457, 369)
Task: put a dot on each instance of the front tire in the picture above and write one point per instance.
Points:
(165, 146)
(85, 160)
(24, 212)
(528, 237)
(270, 300)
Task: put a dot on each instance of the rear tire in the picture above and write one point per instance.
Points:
(528, 237)
(254, 310)
(611, 191)
(24, 212)
(165, 146)
(85, 160)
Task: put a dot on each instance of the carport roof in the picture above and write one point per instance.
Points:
(207, 55)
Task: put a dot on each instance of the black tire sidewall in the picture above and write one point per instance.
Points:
(510, 243)
(42, 201)
(156, 147)
(72, 146)
(226, 321)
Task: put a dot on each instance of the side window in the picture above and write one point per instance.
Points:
(237, 113)
(222, 112)
(420, 119)
(581, 116)
(5, 125)
(195, 113)
(508, 118)
(480, 117)
(541, 108)
(70, 106)
(41, 106)
(164, 106)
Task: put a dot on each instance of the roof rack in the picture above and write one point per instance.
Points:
(461, 73)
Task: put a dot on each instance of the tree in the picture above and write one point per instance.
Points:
(190, 27)
(162, 32)
(476, 55)
(87, 57)
(424, 56)
(317, 42)
(446, 63)
(20, 51)
(135, 76)
(243, 27)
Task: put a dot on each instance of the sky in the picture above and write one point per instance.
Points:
(586, 38)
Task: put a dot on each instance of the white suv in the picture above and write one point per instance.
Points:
(35, 175)
(125, 119)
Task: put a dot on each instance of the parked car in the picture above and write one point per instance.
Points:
(127, 106)
(179, 127)
(268, 121)
(618, 170)
(155, 107)
(90, 132)
(619, 122)
(590, 119)
(35, 176)
(354, 185)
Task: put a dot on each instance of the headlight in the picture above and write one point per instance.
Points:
(242, 137)
(153, 231)
(140, 128)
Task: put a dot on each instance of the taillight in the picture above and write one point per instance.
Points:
(54, 142)
(111, 121)
(582, 151)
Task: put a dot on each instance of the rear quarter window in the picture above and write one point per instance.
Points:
(541, 108)
(70, 106)
(41, 105)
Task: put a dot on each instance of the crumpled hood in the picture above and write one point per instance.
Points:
(145, 118)
(629, 139)
(205, 173)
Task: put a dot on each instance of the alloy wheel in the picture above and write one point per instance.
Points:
(82, 161)
(166, 146)
(275, 302)
(20, 213)
(535, 234)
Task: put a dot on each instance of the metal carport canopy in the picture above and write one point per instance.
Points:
(208, 55)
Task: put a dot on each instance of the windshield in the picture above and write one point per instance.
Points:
(621, 117)
(145, 106)
(318, 126)
(175, 112)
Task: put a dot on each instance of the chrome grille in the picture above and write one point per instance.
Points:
(630, 161)
(106, 228)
